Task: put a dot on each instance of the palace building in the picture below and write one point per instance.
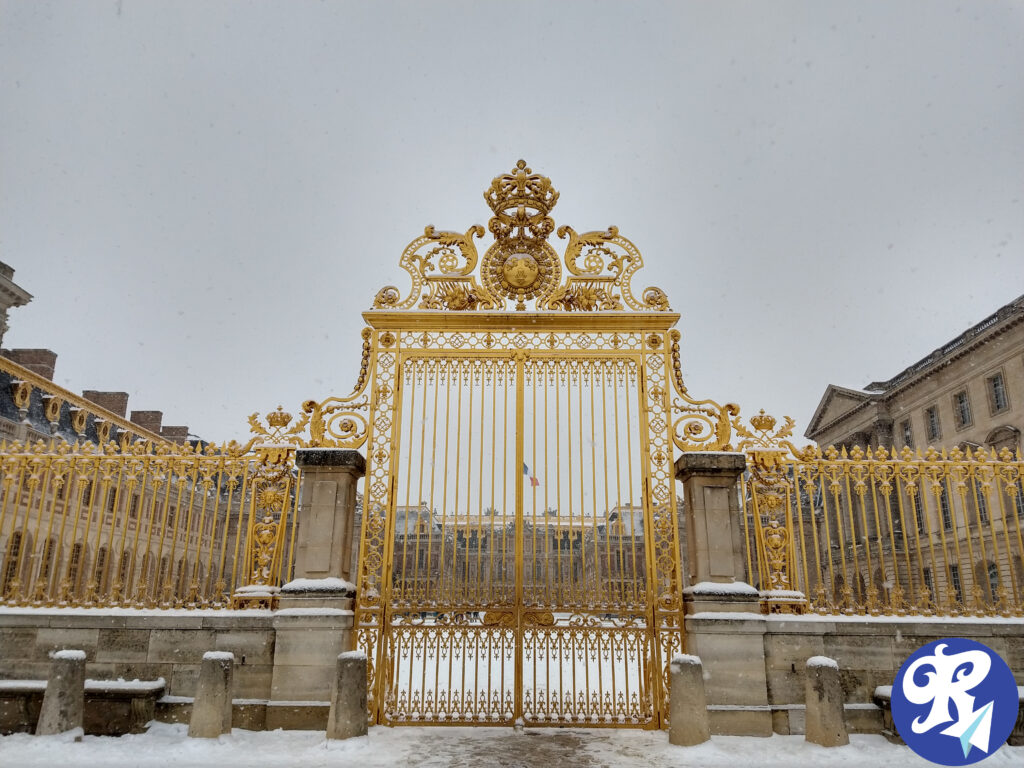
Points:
(59, 527)
(966, 393)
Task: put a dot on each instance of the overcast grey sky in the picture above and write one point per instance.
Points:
(204, 196)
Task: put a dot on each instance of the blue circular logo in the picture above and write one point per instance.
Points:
(954, 701)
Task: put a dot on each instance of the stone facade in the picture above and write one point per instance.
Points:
(11, 295)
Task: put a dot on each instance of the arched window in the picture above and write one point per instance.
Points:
(993, 581)
(1004, 437)
(11, 558)
(946, 510)
(124, 573)
(879, 582)
(954, 575)
(49, 559)
(75, 566)
(919, 511)
(926, 574)
(837, 589)
(165, 564)
(146, 576)
(181, 577)
(100, 575)
(981, 504)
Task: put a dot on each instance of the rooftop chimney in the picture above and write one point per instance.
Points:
(148, 420)
(117, 402)
(177, 435)
(40, 361)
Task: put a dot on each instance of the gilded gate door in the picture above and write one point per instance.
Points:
(519, 555)
(518, 560)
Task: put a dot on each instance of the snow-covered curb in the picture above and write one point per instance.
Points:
(728, 615)
(794, 618)
(257, 589)
(82, 611)
(908, 619)
(822, 661)
(219, 655)
(736, 588)
(330, 584)
(783, 594)
(90, 685)
(314, 612)
(68, 655)
(686, 658)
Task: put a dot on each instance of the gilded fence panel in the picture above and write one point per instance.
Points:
(148, 525)
(879, 532)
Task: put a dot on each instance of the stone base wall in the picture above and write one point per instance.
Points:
(142, 645)
(871, 651)
(754, 665)
(284, 660)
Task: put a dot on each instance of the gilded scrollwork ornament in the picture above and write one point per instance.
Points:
(702, 425)
(337, 422)
(441, 266)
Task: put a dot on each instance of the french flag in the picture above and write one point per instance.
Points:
(534, 482)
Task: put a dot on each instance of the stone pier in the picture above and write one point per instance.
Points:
(64, 699)
(348, 716)
(688, 706)
(825, 702)
(314, 623)
(211, 709)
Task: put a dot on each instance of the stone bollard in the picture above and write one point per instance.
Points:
(688, 706)
(825, 700)
(64, 699)
(211, 708)
(348, 716)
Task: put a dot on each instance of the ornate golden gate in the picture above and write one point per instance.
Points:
(519, 558)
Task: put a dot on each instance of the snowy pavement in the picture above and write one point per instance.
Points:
(167, 745)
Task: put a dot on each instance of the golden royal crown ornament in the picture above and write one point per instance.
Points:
(521, 265)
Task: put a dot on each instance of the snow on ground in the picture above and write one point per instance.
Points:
(167, 746)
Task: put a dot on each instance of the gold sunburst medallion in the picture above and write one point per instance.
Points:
(521, 270)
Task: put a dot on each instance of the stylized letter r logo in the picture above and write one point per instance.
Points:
(949, 680)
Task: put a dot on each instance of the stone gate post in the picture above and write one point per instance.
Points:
(714, 536)
(314, 623)
(327, 508)
(730, 644)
